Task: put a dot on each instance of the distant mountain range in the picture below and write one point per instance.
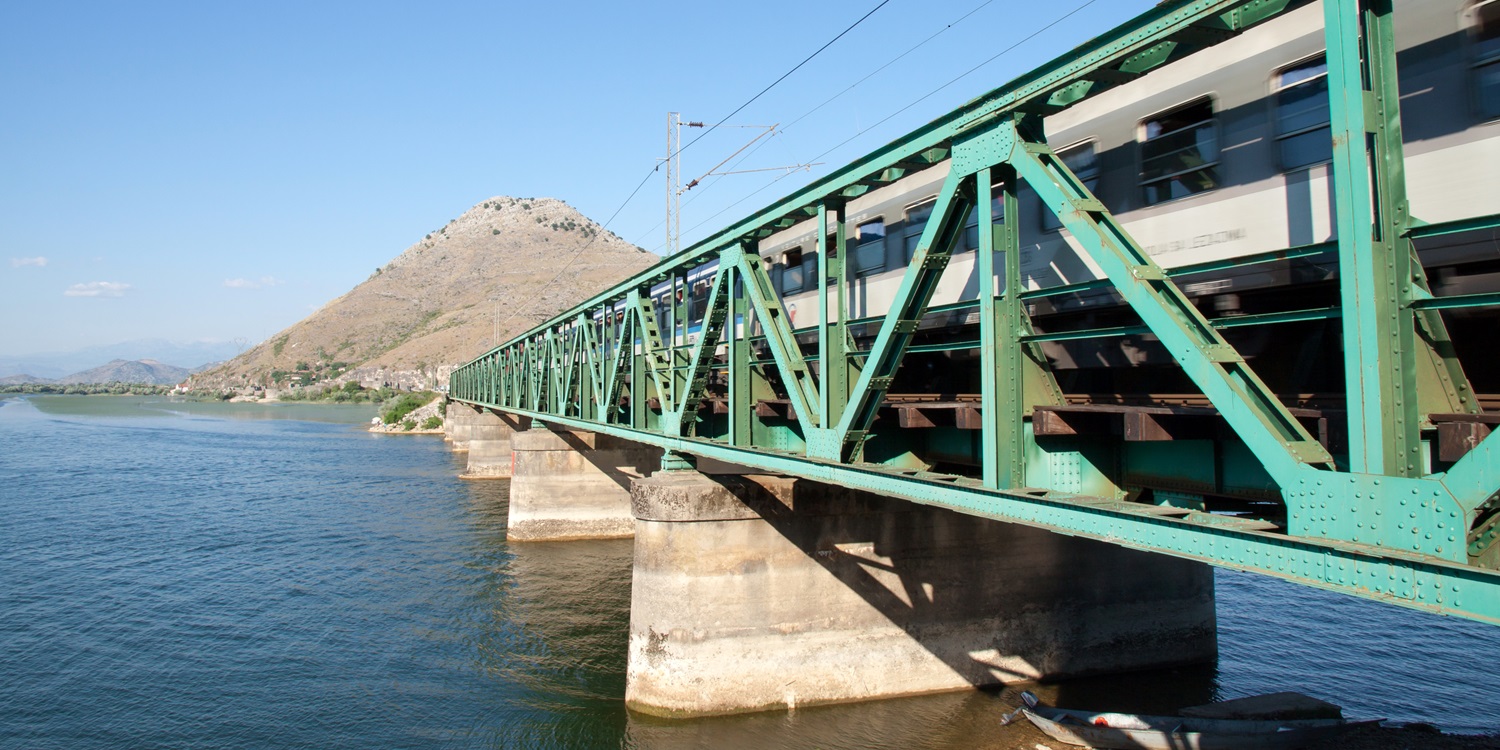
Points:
(49, 366)
(147, 371)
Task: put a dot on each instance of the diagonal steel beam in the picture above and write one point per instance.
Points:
(800, 387)
(696, 376)
(933, 251)
(1276, 438)
(624, 354)
(658, 363)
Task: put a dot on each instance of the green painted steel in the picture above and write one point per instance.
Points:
(1390, 521)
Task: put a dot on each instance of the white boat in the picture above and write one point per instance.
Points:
(1140, 732)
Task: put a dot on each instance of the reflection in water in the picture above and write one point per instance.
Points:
(557, 615)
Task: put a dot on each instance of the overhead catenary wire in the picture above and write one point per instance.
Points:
(605, 226)
(823, 104)
(783, 77)
(914, 103)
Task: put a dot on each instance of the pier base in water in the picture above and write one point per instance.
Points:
(572, 484)
(760, 592)
(489, 444)
(458, 421)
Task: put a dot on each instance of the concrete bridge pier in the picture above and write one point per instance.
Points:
(574, 484)
(458, 418)
(489, 444)
(762, 592)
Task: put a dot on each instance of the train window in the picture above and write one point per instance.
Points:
(1302, 132)
(698, 302)
(869, 248)
(971, 227)
(793, 277)
(1486, 33)
(1083, 160)
(916, 221)
(1179, 152)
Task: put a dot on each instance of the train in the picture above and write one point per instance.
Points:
(1218, 166)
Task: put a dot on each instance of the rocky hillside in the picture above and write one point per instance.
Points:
(508, 261)
(147, 371)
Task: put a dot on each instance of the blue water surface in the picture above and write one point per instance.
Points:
(205, 576)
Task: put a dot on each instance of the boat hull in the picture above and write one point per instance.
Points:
(1174, 733)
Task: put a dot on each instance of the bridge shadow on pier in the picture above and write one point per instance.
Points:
(999, 602)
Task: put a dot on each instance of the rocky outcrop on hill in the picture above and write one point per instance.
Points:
(500, 268)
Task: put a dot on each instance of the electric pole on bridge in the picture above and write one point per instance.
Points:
(674, 176)
(673, 161)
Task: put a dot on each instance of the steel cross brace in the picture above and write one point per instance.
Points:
(801, 388)
(918, 284)
(1257, 416)
(675, 418)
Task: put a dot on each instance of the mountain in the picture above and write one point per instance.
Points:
(23, 379)
(505, 264)
(53, 365)
(147, 371)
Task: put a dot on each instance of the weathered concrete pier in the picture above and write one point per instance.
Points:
(489, 444)
(756, 592)
(574, 484)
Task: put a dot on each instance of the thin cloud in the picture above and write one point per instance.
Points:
(38, 261)
(263, 281)
(97, 289)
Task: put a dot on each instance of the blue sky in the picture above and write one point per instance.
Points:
(209, 171)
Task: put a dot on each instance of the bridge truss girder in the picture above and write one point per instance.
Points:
(1380, 528)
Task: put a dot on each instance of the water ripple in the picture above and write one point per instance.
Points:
(178, 576)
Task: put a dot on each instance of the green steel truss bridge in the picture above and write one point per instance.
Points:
(1386, 518)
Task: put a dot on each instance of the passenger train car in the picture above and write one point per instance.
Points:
(1220, 156)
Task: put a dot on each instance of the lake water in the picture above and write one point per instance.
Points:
(227, 575)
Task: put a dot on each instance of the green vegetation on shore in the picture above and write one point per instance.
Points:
(348, 393)
(396, 409)
(89, 389)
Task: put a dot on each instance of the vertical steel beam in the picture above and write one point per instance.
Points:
(833, 338)
(1001, 376)
(1379, 274)
(1370, 212)
(740, 396)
